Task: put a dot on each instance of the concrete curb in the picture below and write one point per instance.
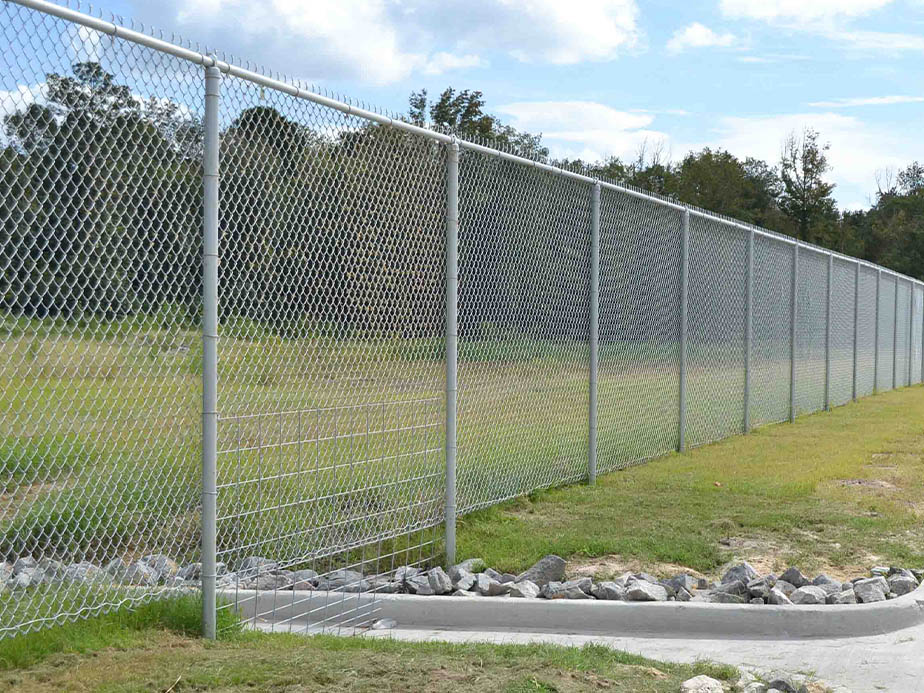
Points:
(592, 617)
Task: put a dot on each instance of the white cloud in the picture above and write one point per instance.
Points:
(385, 41)
(799, 10)
(584, 129)
(867, 101)
(444, 62)
(697, 35)
(877, 41)
(858, 149)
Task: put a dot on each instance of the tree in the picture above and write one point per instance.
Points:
(806, 197)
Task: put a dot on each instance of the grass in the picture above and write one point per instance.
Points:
(152, 649)
(837, 490)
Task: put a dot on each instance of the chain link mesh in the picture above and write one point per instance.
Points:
(100, 349)
(866, 332)
(811, 296)
(843, 294)
(884, 370)
(332, 357)
(639, 365)
(771, 347)
(524, 255)
(717, 322)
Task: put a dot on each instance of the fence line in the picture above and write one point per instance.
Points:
(379, 282)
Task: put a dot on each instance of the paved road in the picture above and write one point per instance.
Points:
(893, 662)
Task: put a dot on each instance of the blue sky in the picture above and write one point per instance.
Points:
(600, 77)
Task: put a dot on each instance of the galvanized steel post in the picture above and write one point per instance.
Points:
(684, 281)
(210, 172)
(792, 332)
(828, 337)
(748, 334)
(856, 328)
(594, 331)
(876, 344)
(452, 342)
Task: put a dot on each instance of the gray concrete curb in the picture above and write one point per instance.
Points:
(591, 617)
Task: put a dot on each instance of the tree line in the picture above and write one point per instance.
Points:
(336, 226)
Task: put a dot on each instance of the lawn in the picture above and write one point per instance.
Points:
(838, 491)
(153, 649)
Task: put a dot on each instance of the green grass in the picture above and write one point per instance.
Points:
(152, 649)
(775, 495)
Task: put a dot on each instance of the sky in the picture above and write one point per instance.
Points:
(605, 77)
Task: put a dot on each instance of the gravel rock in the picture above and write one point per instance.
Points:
(507, 577)
(471, 565)
(24, 564)
(525, 589)
(420, 585)
(305, 579)
(736, 587)
(724, 598)
(138, 574)
(343, 581)
(21, 580)
(683, 595)
(901, 584)
(879, 570)
(547, 569)
(825, 580)
(165, 567)
(755, 600)
(610, 591)
(493, 574)
(786, 684)
(268, 581)
(810, 594)
(465, 580)
(645, 591)
(843, 597)
(681, 580)
(785, 587)
(743, 572)
(406, 572)
(85, 572)
(464, 593)
(795, 578)
(830, 588)
(761, 586)
(384, 624)
(487, 586)
(380, 587)
(871, 590)
(564, 590)
(701, 684)
(439, 581)
(646, 577)
(51, 569)
(254, 565)
(778, 597)
(192, 571)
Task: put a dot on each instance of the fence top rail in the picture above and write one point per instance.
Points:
(210, 60)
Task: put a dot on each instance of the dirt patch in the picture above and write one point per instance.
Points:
(615, 565)
(868, 483)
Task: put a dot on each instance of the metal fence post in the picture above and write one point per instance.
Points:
(856, 328)
(921, 339)
(876, 342)
(210, 172)
(452, 342)
(684, 281)
(749, 331)
(828, 336)
(895, 338)
(594, 331)
(792, 332)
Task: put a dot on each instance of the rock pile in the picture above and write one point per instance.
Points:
(740, 584)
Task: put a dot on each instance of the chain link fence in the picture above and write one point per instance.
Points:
(402, 327)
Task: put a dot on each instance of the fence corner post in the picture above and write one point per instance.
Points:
(876, 342)
(594, 331)
(452, 342)
(895, 337)
(684, 321)
(210, 181)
